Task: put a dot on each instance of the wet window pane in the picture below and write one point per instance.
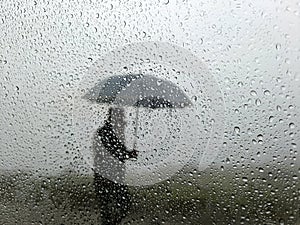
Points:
(149, 112)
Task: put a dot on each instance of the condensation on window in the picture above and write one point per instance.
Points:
(149, 112)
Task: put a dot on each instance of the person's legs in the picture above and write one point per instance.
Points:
(114, 200)
(124, 201)
(103, 199)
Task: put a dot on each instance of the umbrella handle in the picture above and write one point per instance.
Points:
(136, 127)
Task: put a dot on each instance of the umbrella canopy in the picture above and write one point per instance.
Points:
(139, 91)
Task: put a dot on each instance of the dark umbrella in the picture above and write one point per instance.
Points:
(138, 90)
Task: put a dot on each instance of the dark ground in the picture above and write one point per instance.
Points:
(217, 196)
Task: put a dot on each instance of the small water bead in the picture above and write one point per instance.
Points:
(292, 125)
(258, 102)
(253, 93)
(267, 92)
(236, 130)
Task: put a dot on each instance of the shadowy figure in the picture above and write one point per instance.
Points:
(110, 155)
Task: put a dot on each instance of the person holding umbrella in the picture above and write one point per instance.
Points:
(113, 195)
(132, 90)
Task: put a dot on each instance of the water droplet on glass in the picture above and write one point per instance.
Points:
(267, 92)
(236, 130)
(292, 125)
(278, 46)
(253, 93)
(278, 108)
(159, 82)
(258, 102)
(245, 179)
(194, 98)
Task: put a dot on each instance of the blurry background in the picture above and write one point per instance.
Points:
(251, 48)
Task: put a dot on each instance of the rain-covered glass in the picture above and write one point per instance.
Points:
(150, 112)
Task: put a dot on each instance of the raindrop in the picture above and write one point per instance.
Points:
(202, 13)
(281, 222)
(245, 179)
(278, 108)
(253, 93)
(201, 41)
(194, 98)
(258, 102)
(278, 46)
(292, 125)
(236, 130)
(227, 160)
(287, 61)
(267, 92)
(159, 82)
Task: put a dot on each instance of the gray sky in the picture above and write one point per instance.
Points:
(46, 50)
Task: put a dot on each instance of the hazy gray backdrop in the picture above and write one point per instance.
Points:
(47, 47)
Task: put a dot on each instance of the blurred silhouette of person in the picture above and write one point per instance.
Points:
(109, 163)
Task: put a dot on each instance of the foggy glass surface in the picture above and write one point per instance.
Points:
(238, 143)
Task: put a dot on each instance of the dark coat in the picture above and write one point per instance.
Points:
(114, 198)
(112, 143)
